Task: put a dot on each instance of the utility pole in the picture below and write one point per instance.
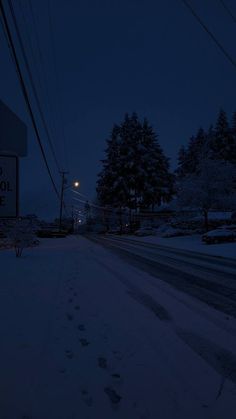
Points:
(63, 182)
(73, 218)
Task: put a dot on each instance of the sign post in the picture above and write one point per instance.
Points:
(8, 186)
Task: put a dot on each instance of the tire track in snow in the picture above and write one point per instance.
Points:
(221, 360)
(220, 297)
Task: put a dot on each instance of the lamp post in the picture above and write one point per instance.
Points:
(75, 184)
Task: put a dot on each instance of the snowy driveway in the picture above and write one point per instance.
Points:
(86, 335)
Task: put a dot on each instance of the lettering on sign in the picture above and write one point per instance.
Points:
(5, 186)
(8, 186)
(2, 201)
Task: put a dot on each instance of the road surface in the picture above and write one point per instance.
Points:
(209, 278)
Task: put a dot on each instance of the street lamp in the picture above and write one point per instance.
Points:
(75, 184)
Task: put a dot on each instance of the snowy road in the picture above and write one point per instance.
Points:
(86, 334)
(209, 278)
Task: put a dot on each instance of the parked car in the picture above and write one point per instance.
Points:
(51, 234)
(225, 234)
(233, 217)
(114, 230)
(145, 231)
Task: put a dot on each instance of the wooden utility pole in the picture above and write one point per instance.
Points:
(63, 182)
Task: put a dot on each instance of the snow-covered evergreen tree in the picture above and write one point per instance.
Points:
(218, 143)
(233, 147)
(189, 158)
(158, 181)
(211, 187)
(135, 171)
(111, 188)
(223, 144)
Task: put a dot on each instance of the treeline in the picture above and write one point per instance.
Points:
(136, 172)
(218, 143)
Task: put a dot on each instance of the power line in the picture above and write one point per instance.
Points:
(25, 94)
(53, 44)
(207, 30)
(117, 211)
(125, 212)
(32, 83)
(226, 7)
(42, 84)
(42, 62)
(96, 206)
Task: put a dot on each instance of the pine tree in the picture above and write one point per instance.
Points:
(212, 187)
(218, 143)
(111, 189)
(233, 132)
(223, 145)
(189, 158)
(157, 179)
(130, 159)
(135, 171)
(233, 126)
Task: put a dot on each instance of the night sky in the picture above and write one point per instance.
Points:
(113, 57)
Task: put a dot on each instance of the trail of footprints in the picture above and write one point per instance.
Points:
(102, 362)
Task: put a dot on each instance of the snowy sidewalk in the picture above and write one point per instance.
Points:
(79, 342)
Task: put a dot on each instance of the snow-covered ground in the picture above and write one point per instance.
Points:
(192, 243)
(85, 335)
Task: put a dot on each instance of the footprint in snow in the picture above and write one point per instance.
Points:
(112, 395)
(118, 355)
(84, 342)
(102, 362)
(69, 354)
(69, 316)
(77, 307)
(117, 376)
(70, 300)
(81, 327)
(88, 400)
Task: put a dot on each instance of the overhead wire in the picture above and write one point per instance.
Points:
(25, 93)
(7, 40)
(54, 57)
(108, 209)
(209, 32)
(228, 10)
(33, 84)
(42, 84)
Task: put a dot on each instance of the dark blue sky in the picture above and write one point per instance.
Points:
(113, 57)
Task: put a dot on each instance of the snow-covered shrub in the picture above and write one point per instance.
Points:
(21, 235)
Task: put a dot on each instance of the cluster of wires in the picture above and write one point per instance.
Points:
(107, 211)
(18, 51)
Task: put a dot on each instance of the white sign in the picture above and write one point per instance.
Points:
(8, 186)
(13, 138)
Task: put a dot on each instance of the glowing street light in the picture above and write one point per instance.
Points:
(76, 184)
